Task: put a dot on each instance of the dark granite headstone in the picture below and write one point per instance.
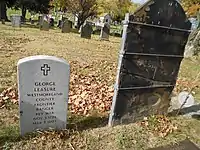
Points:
(3, 21)
(105, 31)
(66, 26)
(153, 44)
(183, 145)
(86, 31)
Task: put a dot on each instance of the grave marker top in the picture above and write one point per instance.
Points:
(168, 13)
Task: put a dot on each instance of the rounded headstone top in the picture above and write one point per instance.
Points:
(167, 13)
(41, 57)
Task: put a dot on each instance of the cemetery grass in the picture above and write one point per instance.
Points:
(86, 132)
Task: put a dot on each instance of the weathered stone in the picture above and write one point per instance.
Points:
(66, 26)
(86, 30)
(151, 53)
(105, 32)
(16, 20)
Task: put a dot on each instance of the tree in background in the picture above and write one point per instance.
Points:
(116, 8)
(82, 9)
(38, 6)
(3, 8)
(191, 6)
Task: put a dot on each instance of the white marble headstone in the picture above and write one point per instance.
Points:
(16, 20)
(43, 84)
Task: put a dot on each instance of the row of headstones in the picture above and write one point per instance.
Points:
(15, 20)
(85, 31)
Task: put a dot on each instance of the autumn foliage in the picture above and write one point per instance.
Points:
(191, 6)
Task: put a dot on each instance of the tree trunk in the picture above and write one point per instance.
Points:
(3, 10)
(23, 14)
(80, 22)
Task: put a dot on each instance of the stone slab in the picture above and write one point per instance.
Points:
(43, 85)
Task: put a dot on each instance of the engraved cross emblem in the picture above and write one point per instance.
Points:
(45, 68)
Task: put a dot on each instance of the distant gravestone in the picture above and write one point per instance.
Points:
(3, 21)
(51, 22)
(183, 145)
(40, 19)
(44, 23)
(45, 26)
(151, 53)
(105, 32)
(32, 19)
(86, 31)
(75, 20)
(16, 20)
(43, 93)
(66, 26)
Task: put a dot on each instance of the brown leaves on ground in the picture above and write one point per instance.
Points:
(89, 87)
(7, 96)
(159, 125)
(185, 85)
(51, 139)
(87, 92)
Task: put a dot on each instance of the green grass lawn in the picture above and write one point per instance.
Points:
(85, 57)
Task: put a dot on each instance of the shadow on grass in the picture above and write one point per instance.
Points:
(195, 110)
(81, 123)
(11, 134)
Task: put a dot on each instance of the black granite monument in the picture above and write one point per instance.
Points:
(153, 43)
(86, 30)
(105, 32)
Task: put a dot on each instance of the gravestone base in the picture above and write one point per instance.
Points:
(104, 39)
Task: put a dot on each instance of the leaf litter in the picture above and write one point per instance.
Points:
(87, 92)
